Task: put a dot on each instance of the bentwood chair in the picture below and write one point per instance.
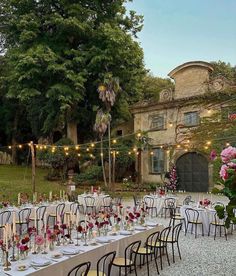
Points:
(79, 270)
(174, 239)
(161, 244)
(137, 200)
(217, 223)
(90, 204)
(149, 251)
(40, 213)
(149, 202)
(23, 219)
(129, 259)
(59, 213)
(104, 265)
(4, 219)
(169, 203)
(176, 217)
(192, 217)
(106, 203)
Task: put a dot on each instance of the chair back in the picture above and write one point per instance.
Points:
(187, 200)
(74, 208)
(175, 232)
(164, 234)
(170, 203)
(4, 217)
(24, 215)
(60, 211)
(192, 214)
(89, 201)
(217, 220)
(148, 201)
(81, 269)
(104, 264)
(106, 201)
(40, 212)
(152, 239)
(131, 252)
(137, 200)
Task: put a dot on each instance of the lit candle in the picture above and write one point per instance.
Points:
(14, 223)
(45, 222)
(35, 218)
(19, 201)
(6, 235)
(50, 196)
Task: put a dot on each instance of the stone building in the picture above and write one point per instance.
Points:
(169, 122)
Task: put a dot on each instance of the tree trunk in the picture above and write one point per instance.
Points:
(109, 154)
(33, 165)
(13, 140)
(72, 132)
(113, 170)
(102, 162)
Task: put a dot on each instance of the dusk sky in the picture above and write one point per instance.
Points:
(177, 31)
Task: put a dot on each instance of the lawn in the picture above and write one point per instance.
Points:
(16, 179)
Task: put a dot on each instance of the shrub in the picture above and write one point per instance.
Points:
(90, 176)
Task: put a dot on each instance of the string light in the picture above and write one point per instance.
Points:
(178, 146)
(92, 145)
(134, 149)
(78, 154)
(129, 153)
(139, 135)
(227, 144)
(151, 153)
(117, 152)
(76, 147)
(114, 141)
(87, 149)
(208, 142)
(20, 146)
(67, 153)
(9, 147)
(101, 154)
(206, 147)
(170, 124)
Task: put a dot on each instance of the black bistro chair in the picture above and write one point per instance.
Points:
(104, 265)
(129, 259)
(90, 204)
(149, 202)
(217, 223)
(79, 270)
(59, 213)
(40, 213)
(23, 219)
(192, 217)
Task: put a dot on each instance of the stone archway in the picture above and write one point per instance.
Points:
(192, 170)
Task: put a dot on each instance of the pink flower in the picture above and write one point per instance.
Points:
(213, 155)
(228, 154)
(223, 172)
(39, 240)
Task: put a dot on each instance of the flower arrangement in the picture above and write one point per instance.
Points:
(205, 202)
(172, 179)
(22, 246)
(228, 175)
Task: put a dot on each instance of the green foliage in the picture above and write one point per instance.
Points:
(224, 69)
(152, 86)
(58, 52)
(220, 211)
(58, 160)
(91, 175)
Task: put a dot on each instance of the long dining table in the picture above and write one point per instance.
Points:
(92, 253)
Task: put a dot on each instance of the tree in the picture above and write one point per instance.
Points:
(224, 69)
(152, 86)
(59, 51)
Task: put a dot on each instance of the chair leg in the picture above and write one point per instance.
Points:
(215, 233)
(160, 257)
(209, 229)
(195, 230)
(156, 265)
(178, 250)
(173, 252)
(167, 255)
(147, 264)
(202, 230)
(225, 233)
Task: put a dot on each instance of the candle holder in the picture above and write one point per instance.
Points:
(45, 244)
(58, 241)
(7, 264)
(34, 246)
(70, 232)
(85, 239)
(13, 257)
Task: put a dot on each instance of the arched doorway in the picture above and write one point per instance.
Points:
(192, 170)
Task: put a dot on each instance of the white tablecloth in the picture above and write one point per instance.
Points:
(90, 253)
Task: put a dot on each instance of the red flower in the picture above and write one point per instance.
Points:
(80, 228)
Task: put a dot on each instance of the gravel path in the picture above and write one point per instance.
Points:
(202, 256)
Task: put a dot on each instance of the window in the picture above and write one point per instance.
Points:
(191, 118)
(157, 163)
(157, 122)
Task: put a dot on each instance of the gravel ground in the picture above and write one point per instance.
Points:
(202, 256)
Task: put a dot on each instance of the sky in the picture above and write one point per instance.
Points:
(178, 31)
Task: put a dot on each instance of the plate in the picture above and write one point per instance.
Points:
(70, 251)
(103, 239)
(125, 233)
(40, 262)
(151, 224)
(140, 228)
(22, 267)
